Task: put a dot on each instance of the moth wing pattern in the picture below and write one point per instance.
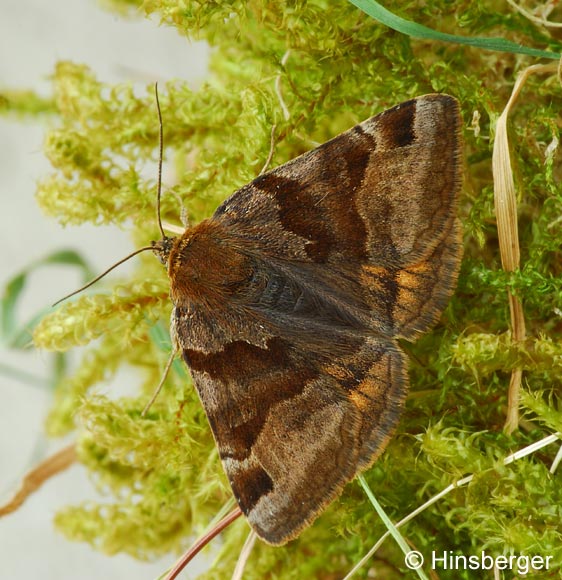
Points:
(290, 299)
(293, 429)
(377, 203)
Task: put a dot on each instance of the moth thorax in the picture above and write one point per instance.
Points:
(205, 265)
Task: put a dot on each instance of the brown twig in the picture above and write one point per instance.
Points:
(201, 543)
(35, 478)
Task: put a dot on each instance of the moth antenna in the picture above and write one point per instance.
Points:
(161, 152)
(184, 216)
(97, 278)
(158, 196)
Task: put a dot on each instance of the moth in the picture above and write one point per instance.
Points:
(289, 301)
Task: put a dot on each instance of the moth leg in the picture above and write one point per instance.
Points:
(162, 380)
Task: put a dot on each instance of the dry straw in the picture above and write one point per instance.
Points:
(505, 201)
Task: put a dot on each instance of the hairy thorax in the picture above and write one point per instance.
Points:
(206, 266)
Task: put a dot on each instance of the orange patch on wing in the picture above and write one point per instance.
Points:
(374, 278)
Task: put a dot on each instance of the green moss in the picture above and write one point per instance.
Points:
(25, 103)
(161, 473)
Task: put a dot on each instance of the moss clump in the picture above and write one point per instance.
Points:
(329, 66)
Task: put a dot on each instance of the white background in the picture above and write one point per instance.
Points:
(34, 34)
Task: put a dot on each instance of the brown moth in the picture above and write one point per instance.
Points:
(289, 300)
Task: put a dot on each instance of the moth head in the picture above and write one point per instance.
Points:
(162, 248)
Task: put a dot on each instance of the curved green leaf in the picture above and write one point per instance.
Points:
(18, 335)
(378, 12)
